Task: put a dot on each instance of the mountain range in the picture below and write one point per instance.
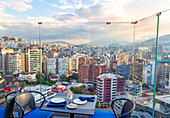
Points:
(59, 42)
(163, 40)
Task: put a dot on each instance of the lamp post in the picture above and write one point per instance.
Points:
(39, 23)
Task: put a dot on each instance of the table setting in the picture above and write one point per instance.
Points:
(69, 102)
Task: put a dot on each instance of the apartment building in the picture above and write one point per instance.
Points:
(51, 65)
(108, 87)
(63, 66)
(34, 60)
(14, 62)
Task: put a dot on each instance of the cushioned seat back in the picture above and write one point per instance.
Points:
(26, 100)
(9, 108)
(128, 105)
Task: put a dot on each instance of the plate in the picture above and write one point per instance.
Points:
(57, 100)
(72, 106)
(78, 101)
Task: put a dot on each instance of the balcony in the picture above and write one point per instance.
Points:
(138, 51)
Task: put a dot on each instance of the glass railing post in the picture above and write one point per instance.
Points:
(134, 31)
(39, 23)
(154, 90)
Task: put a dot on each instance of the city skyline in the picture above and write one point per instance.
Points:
(105, 50)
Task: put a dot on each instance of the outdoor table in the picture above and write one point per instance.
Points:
(86, 109)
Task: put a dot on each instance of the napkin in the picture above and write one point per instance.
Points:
(62, 104)
(90, 99)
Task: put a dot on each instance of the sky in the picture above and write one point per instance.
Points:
(83, 21)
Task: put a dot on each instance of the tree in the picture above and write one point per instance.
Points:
(75, 76)
(97, 105)
(38, 75)
(77, 90)
(91, 89)
(50, 73)
(72, 88)
(42, 79)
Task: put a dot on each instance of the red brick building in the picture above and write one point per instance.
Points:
(89, 72)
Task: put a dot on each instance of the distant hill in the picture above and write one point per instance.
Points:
(114, 45)
(63, 42)
(163, 40)
(104, 42)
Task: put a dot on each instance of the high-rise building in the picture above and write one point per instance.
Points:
(145, 73)
(34, 60)
(23, 62)
(136, 71)
(68, 52)
(82, 61)
(96, 70)
(63, 66)
(51, 65)
(73, 64)
(120, 85)
(163, 70)
(117, 60)
(26, 62)
(151, 71)
(2, 56)
(123, 70)
(89, 72)
(14, 62)
(44, 65)
(108, 87)
(134, 87)
(160, 49)
(113, 65)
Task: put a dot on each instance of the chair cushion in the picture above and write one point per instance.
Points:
(102, 114)
(37, 113)
(2, 111)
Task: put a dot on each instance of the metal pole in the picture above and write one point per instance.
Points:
(107, 23)
(40, 53)
(153, 109)
(134, 29)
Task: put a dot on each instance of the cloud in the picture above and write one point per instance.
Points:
(67, 17)
(6, 17)
(18, 5)
(2, 28)
(63, 7)
(68, 4)
(104, 11)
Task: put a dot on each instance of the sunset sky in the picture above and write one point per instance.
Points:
(82, 21)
